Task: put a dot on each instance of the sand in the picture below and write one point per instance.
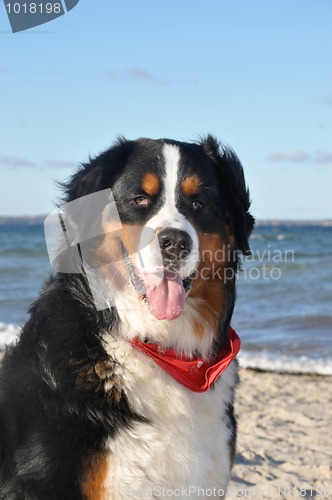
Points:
(284, 437)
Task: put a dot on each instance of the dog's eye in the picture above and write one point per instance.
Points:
(197, 204)
(142, 201)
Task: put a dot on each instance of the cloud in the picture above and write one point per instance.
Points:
(59, 163)
(135, 74)
(190, 80)
(16, 161)
(326, 101)
(295, 156)
(290, 155)
(140, 74)
(322, 157)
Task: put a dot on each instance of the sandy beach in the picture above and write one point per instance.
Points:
(284, 437)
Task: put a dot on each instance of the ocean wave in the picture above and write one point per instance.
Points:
(26, 253)
(9, 334)
(257, 360)
(258, 236)
(311, 322)
(269, 362)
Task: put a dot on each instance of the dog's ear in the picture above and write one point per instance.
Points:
(231, 183)
(98, 173)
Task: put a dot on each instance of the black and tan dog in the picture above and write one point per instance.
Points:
(133, 396)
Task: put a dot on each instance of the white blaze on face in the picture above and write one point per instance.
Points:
(165, 292)
(168, 217)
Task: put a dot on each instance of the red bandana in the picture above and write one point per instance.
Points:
(196, 374)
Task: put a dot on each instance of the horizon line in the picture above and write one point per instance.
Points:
(259, 221)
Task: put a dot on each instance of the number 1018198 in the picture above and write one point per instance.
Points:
(33, 8)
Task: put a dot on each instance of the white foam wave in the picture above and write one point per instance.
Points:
(258, 236)
(9, 334)
(285, 364)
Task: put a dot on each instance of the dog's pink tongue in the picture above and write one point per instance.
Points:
(166, 298)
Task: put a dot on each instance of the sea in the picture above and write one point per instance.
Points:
(283, 311)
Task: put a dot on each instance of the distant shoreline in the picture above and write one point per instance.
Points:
(39, 219)
(19, 219)
(294, 222)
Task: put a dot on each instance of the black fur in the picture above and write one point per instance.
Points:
(232, 185)
(54, 411)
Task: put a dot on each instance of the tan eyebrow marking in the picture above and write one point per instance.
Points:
(190, 185)
(151, 183)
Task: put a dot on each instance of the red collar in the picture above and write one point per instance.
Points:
(196, 374)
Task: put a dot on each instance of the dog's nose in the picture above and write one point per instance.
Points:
(175, 244)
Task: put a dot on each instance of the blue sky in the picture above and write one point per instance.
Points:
(257, 74)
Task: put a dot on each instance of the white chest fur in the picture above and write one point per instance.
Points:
(183, 446)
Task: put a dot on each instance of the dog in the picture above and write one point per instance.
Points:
(122, 382)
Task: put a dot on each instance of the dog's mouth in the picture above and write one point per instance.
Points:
(164, 292)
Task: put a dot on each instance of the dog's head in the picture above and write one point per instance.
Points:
(181, 220)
